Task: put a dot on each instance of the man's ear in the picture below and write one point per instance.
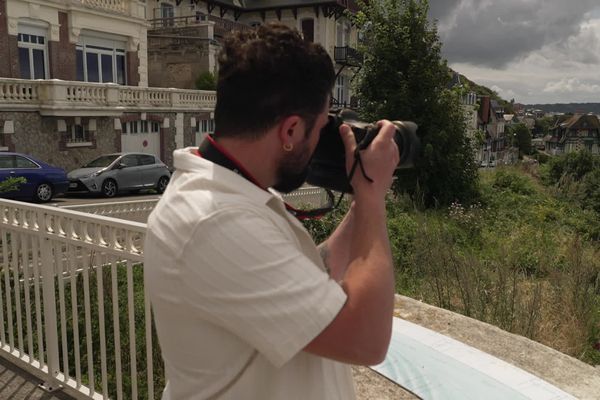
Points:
(291, 130)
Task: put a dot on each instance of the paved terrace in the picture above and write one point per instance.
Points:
(17, 384)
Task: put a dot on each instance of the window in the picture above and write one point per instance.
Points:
(342, 35)
(341, 90)
(167, 13)
(77, 133)
(12, 161)
(33, 53)
(22, 162)
(146, 160)
(308, 29)
(100, 60)
(140, 126)
(206, 126)
(6, 161)
(203, 128)
(130, 160)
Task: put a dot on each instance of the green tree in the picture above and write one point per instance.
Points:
(542, 126)
(404, 77)
(522, 139)
(206, 81)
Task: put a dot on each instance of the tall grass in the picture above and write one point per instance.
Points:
(521, 258)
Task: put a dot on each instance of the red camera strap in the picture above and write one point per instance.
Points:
(210, 150)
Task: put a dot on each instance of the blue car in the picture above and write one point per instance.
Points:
(43, 181)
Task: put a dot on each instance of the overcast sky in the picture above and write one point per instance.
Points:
(535, 51)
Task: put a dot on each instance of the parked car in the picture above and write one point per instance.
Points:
(110, 174)
(43, 181)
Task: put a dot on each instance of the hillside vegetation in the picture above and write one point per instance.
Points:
(524, 257)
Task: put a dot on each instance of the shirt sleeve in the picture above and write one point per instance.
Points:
(244, 274)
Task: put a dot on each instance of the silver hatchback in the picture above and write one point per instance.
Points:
(110, 174)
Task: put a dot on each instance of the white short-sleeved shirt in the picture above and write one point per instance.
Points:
(238, 289)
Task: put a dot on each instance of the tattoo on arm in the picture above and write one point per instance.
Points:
(324, 252)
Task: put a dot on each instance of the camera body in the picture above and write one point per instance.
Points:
(327, 168)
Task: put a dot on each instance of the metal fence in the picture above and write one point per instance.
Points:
(73, 308)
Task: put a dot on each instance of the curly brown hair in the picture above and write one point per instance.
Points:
(267, 74)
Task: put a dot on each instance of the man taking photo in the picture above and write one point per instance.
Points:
(246, 305)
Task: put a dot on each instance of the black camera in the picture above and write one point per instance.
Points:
(327, 168)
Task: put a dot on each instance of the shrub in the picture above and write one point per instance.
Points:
(206, 81)
(542, 157)
(576, 164)
(513, 182)
(11, 184)
(590, 187)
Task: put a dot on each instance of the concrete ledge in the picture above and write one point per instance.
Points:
(567, 373)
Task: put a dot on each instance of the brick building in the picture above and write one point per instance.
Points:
(75, 83)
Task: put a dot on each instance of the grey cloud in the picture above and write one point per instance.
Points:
(440, 9)
(492, 33)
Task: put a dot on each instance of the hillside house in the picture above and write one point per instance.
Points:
(491, 121)
(574, 133)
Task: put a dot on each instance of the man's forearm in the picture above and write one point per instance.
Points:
(335, 251)
(369, 279)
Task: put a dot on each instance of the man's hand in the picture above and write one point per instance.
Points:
(379, 160)
(360, 254)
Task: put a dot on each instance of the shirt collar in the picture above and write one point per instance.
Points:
(187, 160)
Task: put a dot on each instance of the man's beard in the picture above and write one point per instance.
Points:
(292, 173)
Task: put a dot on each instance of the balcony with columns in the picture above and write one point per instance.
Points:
(53, 97)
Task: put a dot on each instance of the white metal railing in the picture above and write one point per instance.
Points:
(137, 210)
(72, 304)
(307, 197)
(73, 308)
(50, 95)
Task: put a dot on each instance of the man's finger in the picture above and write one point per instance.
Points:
(386, 130)
(347, 137)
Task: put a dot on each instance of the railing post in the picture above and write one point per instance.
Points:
(112, 94)
(50, 318)
(52, 92)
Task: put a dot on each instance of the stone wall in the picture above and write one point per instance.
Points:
(4, 43)
(176, 59)
(9, 67)
(62, 53)
(45, 137)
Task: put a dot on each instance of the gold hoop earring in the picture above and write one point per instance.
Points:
(288, 146)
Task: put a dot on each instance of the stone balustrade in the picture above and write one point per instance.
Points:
(119, 6)
(56, 97)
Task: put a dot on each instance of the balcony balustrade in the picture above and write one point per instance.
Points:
(119, 6)
(221, 26)
(347, 56)
(56, 97)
